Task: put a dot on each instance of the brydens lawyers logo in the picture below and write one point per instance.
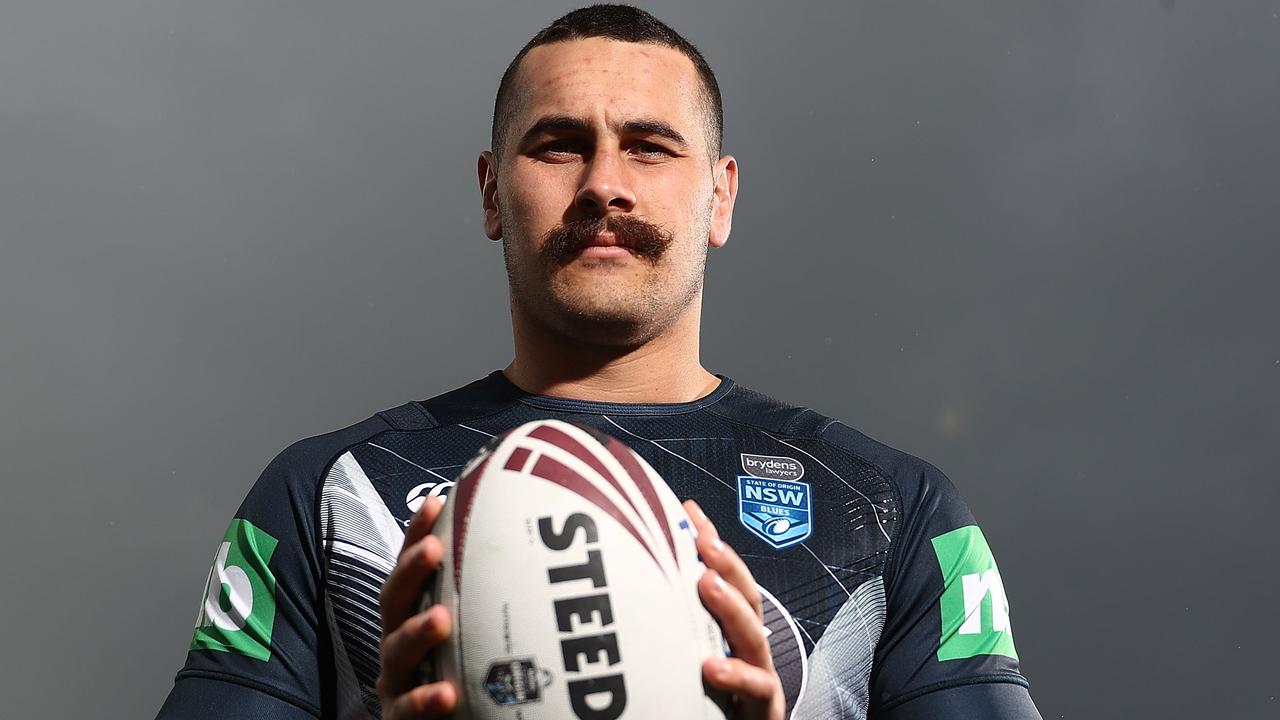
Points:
(776, 511)
(239, 606)
(772, 467)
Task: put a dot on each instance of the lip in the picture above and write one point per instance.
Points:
(605, 239)
(605, 246)
(603, 252)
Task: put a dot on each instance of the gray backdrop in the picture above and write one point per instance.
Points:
(1033, 242)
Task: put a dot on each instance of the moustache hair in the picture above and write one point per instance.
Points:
(568, 239)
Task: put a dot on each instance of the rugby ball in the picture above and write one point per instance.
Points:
(570, 572)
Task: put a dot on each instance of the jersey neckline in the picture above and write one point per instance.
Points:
(593, 407)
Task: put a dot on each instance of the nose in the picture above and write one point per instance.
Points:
(605, 187)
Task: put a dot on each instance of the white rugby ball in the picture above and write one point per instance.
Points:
(570, 572)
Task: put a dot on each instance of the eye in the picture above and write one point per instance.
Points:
(559, 149)
(650, 151)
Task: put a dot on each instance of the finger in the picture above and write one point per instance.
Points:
(701, 522)
(742, 628)
(748, 682)
(402, 590)
(424, 702)
(724, 559)
(404, 648)
(422, 521)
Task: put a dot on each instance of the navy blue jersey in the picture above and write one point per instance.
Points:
(881, 596)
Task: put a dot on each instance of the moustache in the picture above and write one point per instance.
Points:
(639, 236)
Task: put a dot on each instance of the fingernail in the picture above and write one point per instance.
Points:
(434, 543)
(697, 511)
(439, 699)
(720, 667)
(717, 544)
(425, 625)
(718, 581)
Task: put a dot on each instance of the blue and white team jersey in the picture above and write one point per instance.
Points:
(882, 598)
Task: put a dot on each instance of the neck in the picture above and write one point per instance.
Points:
(665, 369)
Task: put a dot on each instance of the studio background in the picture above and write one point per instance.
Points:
(1032, 242)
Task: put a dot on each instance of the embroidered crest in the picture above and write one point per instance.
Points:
(777, 511)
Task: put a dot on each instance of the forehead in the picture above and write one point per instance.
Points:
(597, 77)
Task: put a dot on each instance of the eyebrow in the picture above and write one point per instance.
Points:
(567, 123)
(653, 127)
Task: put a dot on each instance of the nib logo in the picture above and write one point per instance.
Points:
(975, 611)
(239, 606)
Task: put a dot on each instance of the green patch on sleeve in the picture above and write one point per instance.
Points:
(239, 606)
(975, 610)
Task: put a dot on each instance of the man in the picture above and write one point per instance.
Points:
(863, 586)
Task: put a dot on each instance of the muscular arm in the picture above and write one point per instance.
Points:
(947, 649)
(261, 645)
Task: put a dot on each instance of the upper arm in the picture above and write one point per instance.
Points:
(202, 697)
(987, 700)
(257, 640)
(947, 644)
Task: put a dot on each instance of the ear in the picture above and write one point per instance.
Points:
(487, 172)
(725, 193)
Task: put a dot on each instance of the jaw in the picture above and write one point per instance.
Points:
(605, 293)
(614, 302)
(589, 330)
(602, 305)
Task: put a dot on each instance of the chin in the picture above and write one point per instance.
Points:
(619, 310)
(607, 319)
(607, 299)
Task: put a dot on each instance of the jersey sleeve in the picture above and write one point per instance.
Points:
(257, 644)
(947, 649)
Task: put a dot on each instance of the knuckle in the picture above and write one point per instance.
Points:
(419, 700)
(432, 550)
(417, 556)
(430, 628)
(761, 684)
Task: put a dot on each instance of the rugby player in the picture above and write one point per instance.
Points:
(850, 579)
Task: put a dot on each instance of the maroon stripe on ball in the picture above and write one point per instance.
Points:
(569, 444)
(463, 497)
(516, 461)
(552, 470)
(626, 456)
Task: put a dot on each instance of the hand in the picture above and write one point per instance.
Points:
(730, 594)
(406, 636)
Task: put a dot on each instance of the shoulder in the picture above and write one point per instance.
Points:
(304, 464)
(297, 471)
(912, 476)
(908, 473)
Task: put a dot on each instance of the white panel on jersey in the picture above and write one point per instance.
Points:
(361, 542)
(840, 664)
(352, 515)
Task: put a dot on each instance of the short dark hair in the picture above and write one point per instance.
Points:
(615, 22)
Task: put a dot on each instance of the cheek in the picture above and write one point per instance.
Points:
(694, 212)
(670, 195)
(537, 198)
(515, 208)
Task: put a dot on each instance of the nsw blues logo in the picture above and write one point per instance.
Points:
(776, 511)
